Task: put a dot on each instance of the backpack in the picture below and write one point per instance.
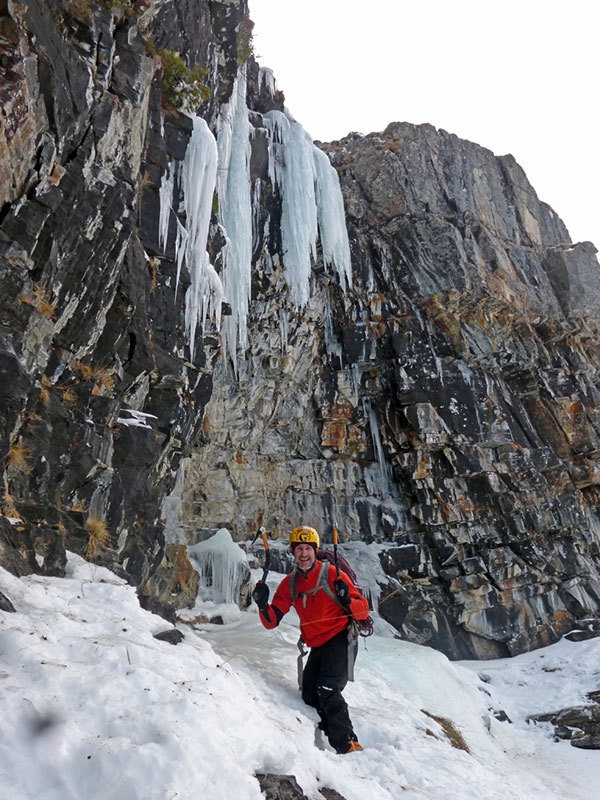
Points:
(364, 627)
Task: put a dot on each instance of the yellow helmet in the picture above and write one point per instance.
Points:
(304, 535)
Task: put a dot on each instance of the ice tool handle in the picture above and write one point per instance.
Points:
(265, 540)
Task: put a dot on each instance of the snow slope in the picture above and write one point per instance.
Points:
(93, 707)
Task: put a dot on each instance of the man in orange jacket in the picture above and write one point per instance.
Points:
(324, 615)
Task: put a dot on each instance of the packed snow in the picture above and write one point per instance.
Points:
(94, 707)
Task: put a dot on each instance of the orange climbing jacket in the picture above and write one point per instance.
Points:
(321, 617)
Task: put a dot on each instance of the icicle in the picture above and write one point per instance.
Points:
(292, 168)
(355, 378)
(165, 195)
(198, 179)
(332, 346)
(311, 205)
(332, 219)
(222, 566)
(283, 328)
(267, 79)
(235, 213)
(380, 480)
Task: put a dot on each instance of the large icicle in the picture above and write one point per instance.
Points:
(165, 195)
(292, 168)
(332, 219)
(198, 180)
(311, 205)
(235, 213)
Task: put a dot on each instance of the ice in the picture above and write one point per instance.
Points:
(198, 179)
(165, 195)
(266, 79)
(235, 214)
(332, 219)
(379, 480)
(311, 205)
(222, 565)
(292, 169)
(332, 343)
(283, 328)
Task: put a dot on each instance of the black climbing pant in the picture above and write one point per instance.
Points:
(325, 676)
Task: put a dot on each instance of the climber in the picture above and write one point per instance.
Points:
(325, 615)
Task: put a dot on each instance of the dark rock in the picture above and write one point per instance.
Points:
(580, 725)
(280, 787)
(172, 636)
(5, 604)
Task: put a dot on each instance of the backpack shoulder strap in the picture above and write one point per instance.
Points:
(322, 583)
(293, 576)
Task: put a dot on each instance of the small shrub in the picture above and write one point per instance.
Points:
(182, 87)
(245, 43)
(98, 538)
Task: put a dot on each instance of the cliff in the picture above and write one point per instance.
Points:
(199, 313)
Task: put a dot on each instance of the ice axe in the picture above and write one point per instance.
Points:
(335, 552)
(263, 534)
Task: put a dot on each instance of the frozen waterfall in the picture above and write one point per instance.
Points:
(312, 205)
(197, 180)
(235, 214)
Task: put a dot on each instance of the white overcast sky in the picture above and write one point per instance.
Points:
(519, 76)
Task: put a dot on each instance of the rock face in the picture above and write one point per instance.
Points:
(422, 374)
(100, 395)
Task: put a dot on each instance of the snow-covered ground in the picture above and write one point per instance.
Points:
(94, 708)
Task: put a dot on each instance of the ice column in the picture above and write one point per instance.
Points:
(235, 213)
(332, 219)
(197, 178)
(379, 478)
(165, 195)
(266, 79)
(292, 168)
(222, 566)
(312, 205)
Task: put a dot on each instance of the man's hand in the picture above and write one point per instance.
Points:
(260, 595)
(342, 592)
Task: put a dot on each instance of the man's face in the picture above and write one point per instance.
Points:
(304, 556)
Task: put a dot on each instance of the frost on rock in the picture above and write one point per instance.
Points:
(222, 566)
(235, 214)
(312, 205)
(197, 179)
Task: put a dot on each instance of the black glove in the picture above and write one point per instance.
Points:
(342, 592)
(260, 595)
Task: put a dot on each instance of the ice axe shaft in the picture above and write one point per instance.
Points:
(263, 534)
(335, 552)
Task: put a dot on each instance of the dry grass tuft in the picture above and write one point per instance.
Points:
(18, 458)
(9, 508)
(98, 537)
(455, 737)
(41, 302)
